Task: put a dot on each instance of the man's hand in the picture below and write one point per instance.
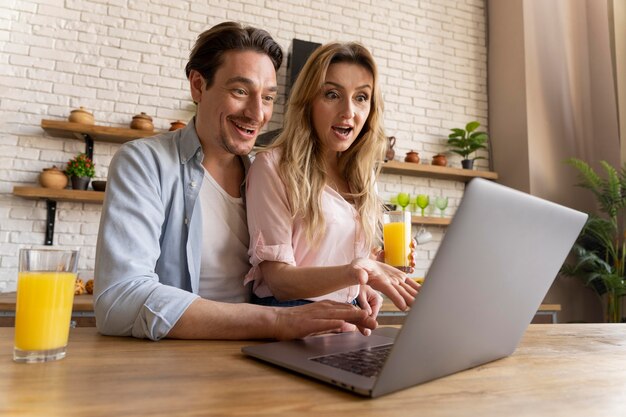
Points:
(319, 317)
(370, 301)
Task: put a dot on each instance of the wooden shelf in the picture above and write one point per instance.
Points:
(52, 196)
(434, 171)
(63, 129)
(89, 134)
(431, 221)
(78, 196)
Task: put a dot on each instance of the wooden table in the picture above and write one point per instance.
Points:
(559, 370)
(82, 310)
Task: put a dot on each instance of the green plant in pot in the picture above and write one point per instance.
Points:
(600, 250)
(467, 141)
(81, 170)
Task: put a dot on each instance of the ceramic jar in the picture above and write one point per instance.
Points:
(440, 159)
(413, 157)
(81, 115)
(53, 178)
(142, 122)
(178, 124)
(391, 153)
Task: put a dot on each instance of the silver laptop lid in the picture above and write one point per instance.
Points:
(496, 263)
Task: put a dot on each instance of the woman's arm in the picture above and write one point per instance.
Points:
(289, 282)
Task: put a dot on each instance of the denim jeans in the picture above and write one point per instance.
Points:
(273, 302)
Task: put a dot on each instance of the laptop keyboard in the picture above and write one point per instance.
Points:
(366, 362)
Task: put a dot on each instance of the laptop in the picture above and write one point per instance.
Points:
(497, 261)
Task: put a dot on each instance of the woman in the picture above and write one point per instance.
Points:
(311, 201)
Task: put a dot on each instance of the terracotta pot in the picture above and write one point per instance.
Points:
(142, 122)
(178, 124)
(440, 159)
(391, 153)
(53, 178)
(412, 156)
(81, 115)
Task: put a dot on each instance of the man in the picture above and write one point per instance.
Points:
(173, 224)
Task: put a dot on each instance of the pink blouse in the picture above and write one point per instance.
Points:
(275, 236)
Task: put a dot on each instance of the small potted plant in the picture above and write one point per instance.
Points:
(80, 170)
(467, 141)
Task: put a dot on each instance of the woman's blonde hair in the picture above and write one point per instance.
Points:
(302, 166)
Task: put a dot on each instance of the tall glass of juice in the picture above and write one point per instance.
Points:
(45, 293)
(397, 238)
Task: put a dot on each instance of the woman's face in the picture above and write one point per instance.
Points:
(342, 106)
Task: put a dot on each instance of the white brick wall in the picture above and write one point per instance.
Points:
(118, 59)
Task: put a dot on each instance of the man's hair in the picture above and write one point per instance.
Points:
(207, 54)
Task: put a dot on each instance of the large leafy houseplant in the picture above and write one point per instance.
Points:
(600, 250)
(467, 141)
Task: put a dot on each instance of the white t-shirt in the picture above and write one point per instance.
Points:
(224, 236)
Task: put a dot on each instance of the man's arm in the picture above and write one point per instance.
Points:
(206, 319)
(129, 298)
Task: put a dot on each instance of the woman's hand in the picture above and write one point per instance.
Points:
(392, 282)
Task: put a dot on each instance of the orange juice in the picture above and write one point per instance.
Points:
(397, 241)
(43, 309)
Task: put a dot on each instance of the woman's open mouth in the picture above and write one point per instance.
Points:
(342, 130)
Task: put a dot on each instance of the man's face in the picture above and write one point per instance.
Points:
(238, 103)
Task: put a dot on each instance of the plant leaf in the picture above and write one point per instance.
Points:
(471, 126)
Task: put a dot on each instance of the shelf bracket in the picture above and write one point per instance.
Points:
(51, 207)
(88, 145)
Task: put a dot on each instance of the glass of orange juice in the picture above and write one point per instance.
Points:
(45, 293)
(397, 238)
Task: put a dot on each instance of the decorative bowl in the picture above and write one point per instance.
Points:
(413, 157)
(142, 122)
(178, 124)
(440, 160)
(53, 178)
(81, 115)
(99, 185)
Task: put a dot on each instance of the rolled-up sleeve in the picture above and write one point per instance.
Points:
(269, 219)
(130, 299)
